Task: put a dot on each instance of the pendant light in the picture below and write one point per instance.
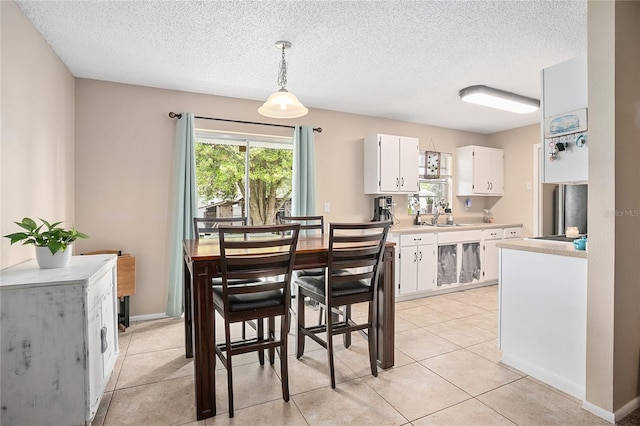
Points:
(283, 104)
(496, 98)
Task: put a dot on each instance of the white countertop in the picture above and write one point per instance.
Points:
(80, 270)
(414, 229)
(542, 246)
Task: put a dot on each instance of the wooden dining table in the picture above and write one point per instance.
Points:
(202, 264)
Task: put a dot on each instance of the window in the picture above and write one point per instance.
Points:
(243, 175)
(437, 191)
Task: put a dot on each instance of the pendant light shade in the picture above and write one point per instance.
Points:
(283, 104)
(495, 98)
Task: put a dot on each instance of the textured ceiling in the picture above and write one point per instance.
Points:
(403, 60)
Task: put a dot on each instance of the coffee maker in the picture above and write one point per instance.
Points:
(382, 208)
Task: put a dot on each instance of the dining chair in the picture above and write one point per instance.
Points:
(353, 267)
(267, 254)
(308, 224)
(207, 227)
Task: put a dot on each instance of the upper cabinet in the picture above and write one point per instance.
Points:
(390, 164)
(564, 125)
(479, 170)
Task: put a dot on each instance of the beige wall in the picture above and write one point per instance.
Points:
(517, 203)
(627, 198)
(124, 149)
(124, 162)
(613, 323)
(37, 97)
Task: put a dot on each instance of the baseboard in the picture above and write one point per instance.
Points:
(600, 412)
(627, 409)
(549, 377)
(148, 317)
(616, 416)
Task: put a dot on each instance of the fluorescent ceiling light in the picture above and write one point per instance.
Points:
(283, 104)
(495, 98)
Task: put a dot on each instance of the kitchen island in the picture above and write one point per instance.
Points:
(542, 312)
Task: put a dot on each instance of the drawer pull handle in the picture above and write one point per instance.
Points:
(104, 344)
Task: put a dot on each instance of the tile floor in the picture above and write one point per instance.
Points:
(447, 372)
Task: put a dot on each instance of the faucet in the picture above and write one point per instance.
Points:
(436, 215)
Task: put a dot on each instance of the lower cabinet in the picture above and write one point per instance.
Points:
(417, 263)
(459, 258)
(59, 340)
(491, 237)
(434, 261)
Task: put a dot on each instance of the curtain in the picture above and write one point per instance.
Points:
(184, 209)
(303, 198)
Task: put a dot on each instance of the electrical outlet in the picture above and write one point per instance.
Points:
(327, 207)
(528, 185)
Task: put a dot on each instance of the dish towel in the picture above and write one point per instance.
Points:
(470, 268)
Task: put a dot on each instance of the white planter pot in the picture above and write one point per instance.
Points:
(46, 260)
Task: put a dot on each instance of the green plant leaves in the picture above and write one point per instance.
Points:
(54, 237)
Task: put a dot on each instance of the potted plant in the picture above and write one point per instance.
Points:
(53, 243)
(429, 204)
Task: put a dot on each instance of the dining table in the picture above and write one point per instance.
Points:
(202, 264)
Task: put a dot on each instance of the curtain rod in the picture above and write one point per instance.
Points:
(179, 116)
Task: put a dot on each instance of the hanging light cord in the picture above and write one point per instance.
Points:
(282, 72)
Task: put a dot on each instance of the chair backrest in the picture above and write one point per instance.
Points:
(264, 253)
(355, 252)
(306, 222)
(208, 226)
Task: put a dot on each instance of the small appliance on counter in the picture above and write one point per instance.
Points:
(382, 208)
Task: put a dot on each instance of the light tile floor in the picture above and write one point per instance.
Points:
(447, 372)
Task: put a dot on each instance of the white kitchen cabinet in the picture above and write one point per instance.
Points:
(459, 258)
(479, 171)
(58, 340)
(564, 91)
(390, 164)
(491, 237)
(417, 263)
(513, 232)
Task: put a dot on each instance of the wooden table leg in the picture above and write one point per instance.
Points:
(204, 346)
(188, 314)
(386, 309)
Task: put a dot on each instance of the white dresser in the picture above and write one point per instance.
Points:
(58, 340)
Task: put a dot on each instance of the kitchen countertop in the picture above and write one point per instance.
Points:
(542, 246)
(414, 229)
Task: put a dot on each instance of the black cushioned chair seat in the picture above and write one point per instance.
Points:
(316, 285)
(247, 302)
(309, 272)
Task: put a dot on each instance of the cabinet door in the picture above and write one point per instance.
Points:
(490, 271)
(408, 270)
(488, 170)
(408, 164)
(389, 164)
(427, 267)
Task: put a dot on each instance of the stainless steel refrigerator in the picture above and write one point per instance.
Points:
(570, 208)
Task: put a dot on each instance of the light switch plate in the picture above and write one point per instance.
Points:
(327, 207)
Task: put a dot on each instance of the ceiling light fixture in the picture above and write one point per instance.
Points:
(495, 98)
(283, 104)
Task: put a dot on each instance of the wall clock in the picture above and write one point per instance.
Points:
(432, 165)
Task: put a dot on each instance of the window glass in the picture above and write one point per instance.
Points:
(243, 175)
(433, 192)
